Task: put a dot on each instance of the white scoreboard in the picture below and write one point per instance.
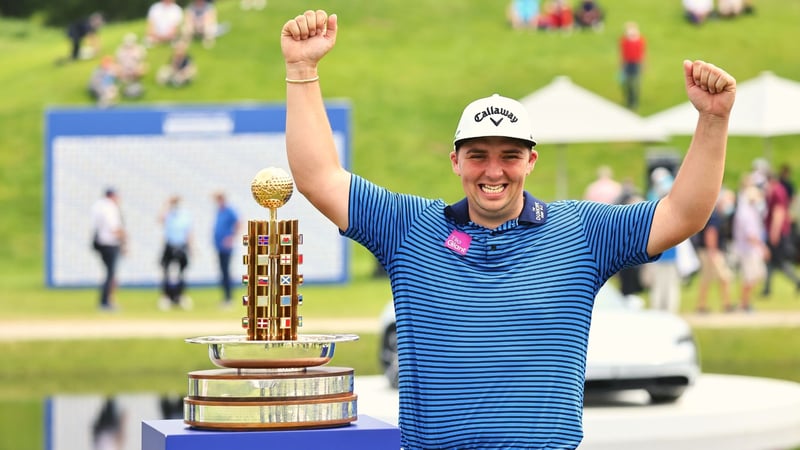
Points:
(148, 154)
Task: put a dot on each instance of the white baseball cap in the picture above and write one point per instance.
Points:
(494, 116)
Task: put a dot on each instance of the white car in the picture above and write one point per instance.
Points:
(629, 348)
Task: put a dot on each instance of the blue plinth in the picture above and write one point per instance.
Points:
(366, 433)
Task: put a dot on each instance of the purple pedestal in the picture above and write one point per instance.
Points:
(366, 433)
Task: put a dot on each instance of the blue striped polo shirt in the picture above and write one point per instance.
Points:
(492, 325)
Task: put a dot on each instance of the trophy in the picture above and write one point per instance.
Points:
(272, 377)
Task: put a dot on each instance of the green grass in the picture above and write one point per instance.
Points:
(407, 71)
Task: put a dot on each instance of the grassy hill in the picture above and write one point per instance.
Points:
(408, 70)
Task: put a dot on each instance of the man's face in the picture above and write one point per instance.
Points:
(493, 172)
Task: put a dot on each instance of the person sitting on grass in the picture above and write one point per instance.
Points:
(200, 22)
(103, 83)
(180, 70)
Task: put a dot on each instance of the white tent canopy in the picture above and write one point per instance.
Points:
(563, 112)
(765, 106)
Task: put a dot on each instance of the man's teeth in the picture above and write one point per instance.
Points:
(492, 189)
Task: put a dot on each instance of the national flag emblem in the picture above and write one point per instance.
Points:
(245, 259)
(300, 239)
(286, 259)
(262, 260)
(263, 280)
(286, 300)
(300, 258)
(299, 279)
(262, 322)
(263, 239)
(299, 299)
(286, 322)
(245, 240)
(262, 300)
(245, 322)
(244, 279)
(244, 300)
(286, 280)
(286, 239)
(299, 321)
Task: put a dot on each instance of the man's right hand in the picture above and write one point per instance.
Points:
(305, 40)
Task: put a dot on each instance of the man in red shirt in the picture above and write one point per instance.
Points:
(778, 226)
(632, 47)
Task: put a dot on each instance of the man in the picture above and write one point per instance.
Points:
(778, 222)
(109, 239)
(177, 237)
(493, 295)
(164, 20)
(605, 189)
(226, 225)
(632, 46)
(87, 28)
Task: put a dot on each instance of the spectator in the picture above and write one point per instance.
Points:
(556, 15)
(785, 177)
(605, 189)
(226, 225)
(200, 22)
(711, 246)
(180, 69)
(523, 14)
(698, 11)
(778, 227)
(252, 4)
(662, 276)
(748, 239)
(588, 15)
(87, 29)
(760, 173)
(177, 240)
(131, 65)
(109, 242)
(630, 278)
(661, 180)
(163, 22)
(632, 51)
(730, 8)
(103, 83)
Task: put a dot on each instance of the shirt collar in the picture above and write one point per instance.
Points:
(534, 211)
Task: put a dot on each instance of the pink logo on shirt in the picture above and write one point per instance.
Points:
(458, 242)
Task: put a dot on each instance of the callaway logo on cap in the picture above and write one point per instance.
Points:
(494, 116)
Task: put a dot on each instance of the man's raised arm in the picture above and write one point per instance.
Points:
(687, 207)
(310, 147)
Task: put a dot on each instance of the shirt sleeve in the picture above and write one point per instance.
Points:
(379, 219)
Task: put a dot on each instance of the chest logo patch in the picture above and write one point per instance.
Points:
(458, 241)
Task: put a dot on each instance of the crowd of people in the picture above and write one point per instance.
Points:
(698, 12)
(110, 241)
(121, 74)
(588, 15)
(555, 15)
(751, 234)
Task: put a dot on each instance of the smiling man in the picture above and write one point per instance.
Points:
(493, 295)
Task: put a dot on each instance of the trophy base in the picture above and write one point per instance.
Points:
(265, 399)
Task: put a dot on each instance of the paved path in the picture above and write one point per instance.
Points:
(119, 327)
(745, 320)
